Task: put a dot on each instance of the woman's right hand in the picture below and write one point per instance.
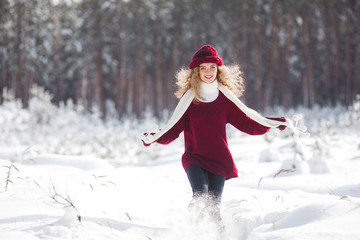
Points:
(146, 134)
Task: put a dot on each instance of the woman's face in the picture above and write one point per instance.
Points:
(208, 72)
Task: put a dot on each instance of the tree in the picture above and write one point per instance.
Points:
(292, 52)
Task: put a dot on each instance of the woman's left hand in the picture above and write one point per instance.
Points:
(280, 119)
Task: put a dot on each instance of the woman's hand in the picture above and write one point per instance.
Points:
(147, 134)
(280, 119)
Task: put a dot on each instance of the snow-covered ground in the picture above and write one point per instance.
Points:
(66, 175)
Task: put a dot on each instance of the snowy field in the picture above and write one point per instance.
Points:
(66, 174)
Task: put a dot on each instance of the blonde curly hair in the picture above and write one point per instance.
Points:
(229, 76)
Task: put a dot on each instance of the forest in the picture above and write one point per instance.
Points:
(126, 52)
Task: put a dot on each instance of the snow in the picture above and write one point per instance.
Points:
(309, 188)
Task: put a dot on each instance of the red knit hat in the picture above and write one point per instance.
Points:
(206, 54)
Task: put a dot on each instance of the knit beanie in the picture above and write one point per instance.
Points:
(206, 54)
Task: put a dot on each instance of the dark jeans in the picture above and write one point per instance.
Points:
(207, 190)
(205, 183)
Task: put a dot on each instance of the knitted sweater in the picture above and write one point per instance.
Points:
(204, 127)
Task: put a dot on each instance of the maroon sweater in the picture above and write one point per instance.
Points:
(204, 126)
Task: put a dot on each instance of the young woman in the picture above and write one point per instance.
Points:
(208, 93)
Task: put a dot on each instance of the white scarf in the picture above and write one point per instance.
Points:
(209, 91)
(189, 96)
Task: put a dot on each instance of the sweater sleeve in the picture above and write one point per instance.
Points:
(244, 123)
(174, 132)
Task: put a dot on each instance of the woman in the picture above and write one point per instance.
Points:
(208, 93)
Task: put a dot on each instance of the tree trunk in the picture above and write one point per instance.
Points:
(328, 90)
(338, 93)
(285, 79)
(308, 87)
(17, 84)
(214, 27)
(120, 99)
(159, 90)
(99, 87)
(176, 57)
(140, 81)
(357, 50)
(88, 81)
(26, 79)
(272, 57)
(236, 11)
(256, 32)
(4, 61)
(56, 58)
(99, 48)
(349, 53)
